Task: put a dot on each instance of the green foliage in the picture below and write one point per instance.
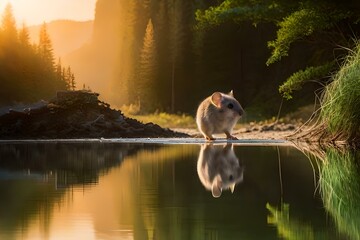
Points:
(296, 20)
(298, 79)
(239, 10)
(287, 227)
(297, 25)
(317, 22)
(340, 104)
(339, 187)
(301, 24)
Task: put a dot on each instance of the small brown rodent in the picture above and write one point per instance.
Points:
(218, 114)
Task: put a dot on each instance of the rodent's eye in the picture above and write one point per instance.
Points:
(230, 106)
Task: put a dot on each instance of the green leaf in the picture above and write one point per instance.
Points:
(298, 79)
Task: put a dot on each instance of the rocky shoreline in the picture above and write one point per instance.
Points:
(75, 114)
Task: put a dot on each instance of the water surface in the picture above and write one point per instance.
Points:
(155, 191)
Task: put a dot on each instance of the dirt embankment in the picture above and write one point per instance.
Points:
(75, 114)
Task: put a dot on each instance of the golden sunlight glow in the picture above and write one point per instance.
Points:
(114, 207)
(34, 12)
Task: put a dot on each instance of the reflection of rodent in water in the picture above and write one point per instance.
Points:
(219, 168)
(218, 114)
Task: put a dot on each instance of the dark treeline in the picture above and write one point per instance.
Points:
(28, 72)
(163, 62)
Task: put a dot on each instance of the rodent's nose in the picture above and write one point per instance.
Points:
(231, 177)
(241, 112)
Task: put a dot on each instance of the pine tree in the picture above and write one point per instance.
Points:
(10, 57)
(64, 77)
(45, 47)
(72, 82)
(147, 69)
(26, 63)
(59, 72)
(8, 25)
(24, 37)
(70, 79)
(59, 69)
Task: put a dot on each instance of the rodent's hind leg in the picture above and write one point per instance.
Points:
(230, 137)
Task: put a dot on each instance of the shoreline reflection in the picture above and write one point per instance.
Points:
(143, 191)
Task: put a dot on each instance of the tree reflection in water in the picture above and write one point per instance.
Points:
(35, 177)
(147, 191)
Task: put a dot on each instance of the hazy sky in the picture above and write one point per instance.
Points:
(37, 11)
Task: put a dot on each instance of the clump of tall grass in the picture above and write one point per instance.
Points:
(340, 190)
(340, 109)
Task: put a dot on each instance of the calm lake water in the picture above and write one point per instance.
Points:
(152, 191)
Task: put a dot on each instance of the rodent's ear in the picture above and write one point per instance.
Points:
(216, 98)
(231, 93)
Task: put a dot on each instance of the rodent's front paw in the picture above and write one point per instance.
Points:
(231, 137)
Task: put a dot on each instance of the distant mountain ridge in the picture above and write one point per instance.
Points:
(66, 35)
